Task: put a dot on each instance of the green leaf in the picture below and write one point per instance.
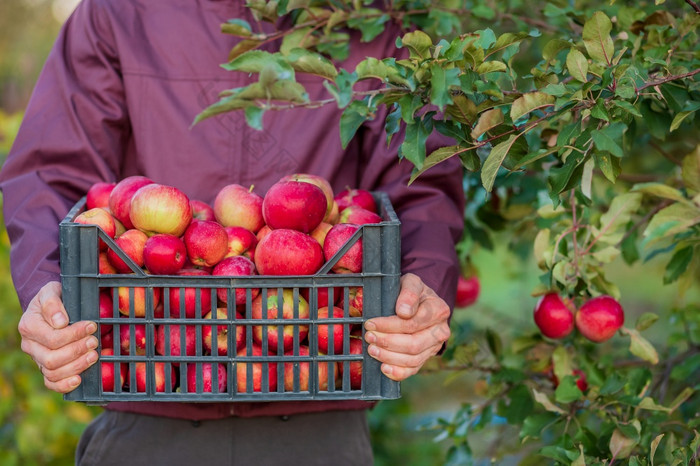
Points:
(294, 4)
(435, 157)
(418, 44)
(645, 321)
(600, 111)
(577, 64)
(492, 66)
(243, 47)
(566, 176)
(609, 165)
(529, 102)
(494, 160)
(639, 346)
(342, 90)
(441, 80)
(236, 27)
(596, 38)
(649, 404)
(605, 142)
(553, 47)
(621, 445)
(676, 218)
(561, 360)
(660, 190)
(653, 447)
(370, 23)
(393, 124)
(384, 71)
(253, 116)
(487, 120)
(690, 170)
(678, 264)
(679, 400)
(413, 146)
(462, 109)
(305, 61)
(409, 105)
(225, 104)
(685, 369)
(678, 120)
(255, 61)
(613, 223)
(613, 384)
(567, 390)
(534, 425)
(352, 118)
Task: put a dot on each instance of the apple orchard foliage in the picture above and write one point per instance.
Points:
(576, 126)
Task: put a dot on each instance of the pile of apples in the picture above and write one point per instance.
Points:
(293, 229)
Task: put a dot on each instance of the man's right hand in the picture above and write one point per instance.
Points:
(62, 351)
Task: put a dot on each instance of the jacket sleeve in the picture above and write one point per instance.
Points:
(72, 135)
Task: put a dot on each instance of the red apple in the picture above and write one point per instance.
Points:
(323, 295)
(175, 347)
(319, 233)
(599, 318)
(235, 266)
(120, 198)
(106, 311)
(241, 242)
(202, 211)
(579, 376)
(157, 208)
(358, 197)
(189, 295)
(354, 367)
(554, 316)
(331, 331)
(272, 303)
(288, 252)
(164, 254)
(139, 339)
(101, 218)
(131, 243)
(221, 332)
(255, 370)
(262, 232)
(206, 242)
(107, 369)
(321, 183)
(139, 300)
(467, 290)
(294, 205)
(208, 375)
(107, 340)
(304, 372)
(236, 206)
(355, 301)
(351, 261)
(358, 216)
(98, 195)
(140, 368)
(104, 266)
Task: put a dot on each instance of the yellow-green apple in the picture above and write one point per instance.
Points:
(255, 370)
(236, 206)
(201, 210)
(599, 318)
(351, 261)
(105, 267)
(272, 304)
(288, 252)
(221, 331)
(188, 303)
(467, 290)
(358, 197)
(120, 198)
(108, 372)
(355, 301)
(98, 195)
(331, 332)
(355, 367)
(174, 347)
(164, 254)
(321, 183)
(139, 331)
(554, 316)
(209, 376)
(140, 368)
(131, 243)
(119, 228)
(101, 218)
(358, 215)
(235, 266)
(139, 301)
(304, 372)
(158, 208)
(206, 242)
(241, 242)
(294, 205)
(319, 233)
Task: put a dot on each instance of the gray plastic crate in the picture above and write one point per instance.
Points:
(379, 281)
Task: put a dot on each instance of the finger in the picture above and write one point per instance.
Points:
(412, 289)
(411, 361)
(432, 311)
(33, 326)
(410, 344)
(63, 386)
(56, 359)
(71, 369)
(51, 306)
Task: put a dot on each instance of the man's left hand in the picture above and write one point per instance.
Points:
(404, 342)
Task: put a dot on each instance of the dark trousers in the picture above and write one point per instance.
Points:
(335, 437)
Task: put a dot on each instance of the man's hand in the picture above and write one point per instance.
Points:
(404, 342)
(62, 351)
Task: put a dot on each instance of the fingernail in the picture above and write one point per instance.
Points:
(369, 325)
(404, 310)
(371, 337)
(373, 351)
(92, 357)
(59, 320)
(74, 382)
(387, 370)
(91, 343)
(91, 328)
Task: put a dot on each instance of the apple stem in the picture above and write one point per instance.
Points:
(250, 190)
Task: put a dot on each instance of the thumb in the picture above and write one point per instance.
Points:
(51, 306)
(411, 291)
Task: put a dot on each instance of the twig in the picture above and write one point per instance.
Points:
(661, 151)
(694, 5)
(667, 79)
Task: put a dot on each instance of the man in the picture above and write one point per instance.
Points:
(116, 98)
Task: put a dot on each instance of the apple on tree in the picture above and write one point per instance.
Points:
(599, 318)
(554, 316)
(468, 290)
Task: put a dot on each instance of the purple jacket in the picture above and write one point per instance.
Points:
(117, 97)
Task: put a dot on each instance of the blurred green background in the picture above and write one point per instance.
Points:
(38, 428)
